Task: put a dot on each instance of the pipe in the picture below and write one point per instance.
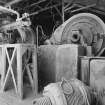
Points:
(82, 8)
(36, 3)
(3, 2)
(12, 2)
(9, 10)
(63, 13)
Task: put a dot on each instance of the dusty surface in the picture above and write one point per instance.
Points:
(9, 97)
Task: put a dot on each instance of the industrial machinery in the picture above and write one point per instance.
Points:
(17, 29)
(87, 30)
(17, 52)
(72, 92)
(83, 28)
(76, 50)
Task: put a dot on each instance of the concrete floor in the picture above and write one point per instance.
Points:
(9, 97)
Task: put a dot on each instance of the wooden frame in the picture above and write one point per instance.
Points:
(17, 51)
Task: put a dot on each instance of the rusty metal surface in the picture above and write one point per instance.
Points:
(55, 62)
(93, 74)
(97, 74)
(90, 65)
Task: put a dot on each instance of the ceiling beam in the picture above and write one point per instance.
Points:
(3, 2)
(12, 2)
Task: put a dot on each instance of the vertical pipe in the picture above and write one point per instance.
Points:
(37, 36)
(63, 14)
(34, 71)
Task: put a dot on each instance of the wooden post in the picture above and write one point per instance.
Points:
(4, 66)
(19, 72)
